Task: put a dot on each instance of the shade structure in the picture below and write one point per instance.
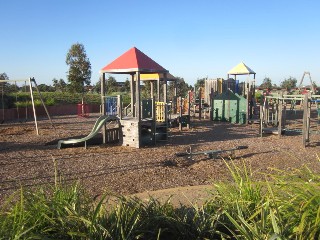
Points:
(133, 61)
(241, 69)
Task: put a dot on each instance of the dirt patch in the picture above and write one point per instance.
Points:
(28, 160)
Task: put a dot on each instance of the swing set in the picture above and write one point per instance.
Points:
(274, 113)
(31, 82)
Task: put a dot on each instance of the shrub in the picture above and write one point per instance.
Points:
(287, 206)
(50, 102)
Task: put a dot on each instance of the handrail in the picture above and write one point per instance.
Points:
(126, 110)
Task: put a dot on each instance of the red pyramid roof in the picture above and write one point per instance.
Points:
(132, 61)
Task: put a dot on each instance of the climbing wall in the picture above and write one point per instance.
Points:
(130, 133)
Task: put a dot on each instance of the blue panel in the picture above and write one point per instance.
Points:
(111, 106)
(237, 87)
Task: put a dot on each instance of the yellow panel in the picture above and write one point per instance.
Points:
(150, 76)
(160, 111)
(155, 76)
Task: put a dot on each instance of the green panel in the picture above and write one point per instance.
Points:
(242, 109)
(218, 110)
(146, 108)
(229, 107)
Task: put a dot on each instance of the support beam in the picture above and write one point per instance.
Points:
(189, 106)
(158, 90)
(175, 98)
(151, 90)
(280, 123)
(261, 120)
(103, 104)
(180, 113)
(43, 104)
(133, 95)
(119, 110)
(305, 120)
(200, 104)
(165, 92)
(138, 107)
(33, 107)
(138, 100)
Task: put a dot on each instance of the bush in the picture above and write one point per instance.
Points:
(23, 99)
(286, 207)
(50, 102)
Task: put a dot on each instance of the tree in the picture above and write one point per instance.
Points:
(182, 88)
(266, 84)
(111, 85)
(79, 72)
(59, 85)
(45, 88)
(289, 83)
(146, 89)
(126, 87)
(97, 87)
(199, 83)
(4, 76)
(5, 86)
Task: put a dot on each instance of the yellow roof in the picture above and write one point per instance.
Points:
(241, 69)
(156, 76)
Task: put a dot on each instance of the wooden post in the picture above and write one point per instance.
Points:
(248, 101)
(43, 104)
(133, 95)
(180, 113)
(138, 107)
(103, 105)
(33, 107)
(165, 97)
(189, 104)
(280, 108)
(284, 116)
(165, 88)
(154, 124)
(261, 120)
(138, 99)
(211, 95)
(305, 120)
(119, 106)
(158, 89)
(308, 121)
(151, 89)
(175, 98)
(200, 104)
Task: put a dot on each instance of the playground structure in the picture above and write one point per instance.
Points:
(231, 100)
(30, 81)
(139, 125)
(144, 121)
(280, 114)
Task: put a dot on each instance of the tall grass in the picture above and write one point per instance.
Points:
(285, 205)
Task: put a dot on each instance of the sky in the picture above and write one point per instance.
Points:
(277, 39)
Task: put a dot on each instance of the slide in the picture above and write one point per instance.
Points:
(95, 130)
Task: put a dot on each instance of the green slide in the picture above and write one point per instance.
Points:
(95, 130)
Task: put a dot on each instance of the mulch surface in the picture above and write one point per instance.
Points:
(29, 160)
